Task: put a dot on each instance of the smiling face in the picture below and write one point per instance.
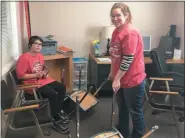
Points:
(117, 17)
(120, 14)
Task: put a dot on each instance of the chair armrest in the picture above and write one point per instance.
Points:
(164, 79)
(180, 66)
(27, 87)
(22, 85)
(164, 92)
(21, 108)
(174, 73)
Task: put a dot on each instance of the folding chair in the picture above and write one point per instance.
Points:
(17, 83)
(24, 120)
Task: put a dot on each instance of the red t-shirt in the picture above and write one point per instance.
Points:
(128, 41)
(29, 64)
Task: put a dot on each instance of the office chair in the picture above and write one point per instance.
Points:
(23, 122)
(162, 69)
(163, 98)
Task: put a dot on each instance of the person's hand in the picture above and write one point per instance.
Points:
(116, 85)
(39, 74)
(45, 75)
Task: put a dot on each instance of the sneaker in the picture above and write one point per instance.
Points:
(62, 113)
(64, 117)
(63, 120)
(61, 128)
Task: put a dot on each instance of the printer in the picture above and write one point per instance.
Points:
(49, 46)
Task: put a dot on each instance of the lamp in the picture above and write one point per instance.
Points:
(106, 33)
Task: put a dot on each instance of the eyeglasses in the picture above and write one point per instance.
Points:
(40, 44)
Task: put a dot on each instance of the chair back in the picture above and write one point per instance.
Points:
(7, 96)
(14, 77)
(159, 61)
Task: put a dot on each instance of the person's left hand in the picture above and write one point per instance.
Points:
(116, 85)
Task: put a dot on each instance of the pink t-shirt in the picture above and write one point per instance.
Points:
(128, 41)
(29, 64)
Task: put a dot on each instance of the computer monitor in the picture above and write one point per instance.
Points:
(147, 43)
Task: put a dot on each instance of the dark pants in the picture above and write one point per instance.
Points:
(130, 101)
(55, 92)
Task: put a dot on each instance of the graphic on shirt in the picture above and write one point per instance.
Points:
(37, 67)
(115, 51)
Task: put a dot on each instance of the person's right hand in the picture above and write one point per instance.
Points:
(40, 74)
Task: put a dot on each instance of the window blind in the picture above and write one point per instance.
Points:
(9, 38)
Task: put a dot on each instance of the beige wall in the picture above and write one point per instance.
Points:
(179, 21)
(75, 24)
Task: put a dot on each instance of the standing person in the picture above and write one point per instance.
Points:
(127, 71)
(29, 69)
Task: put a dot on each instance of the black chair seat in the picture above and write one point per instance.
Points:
(163, 102)
(25, 118)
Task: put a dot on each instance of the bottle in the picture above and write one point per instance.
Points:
(97, 49)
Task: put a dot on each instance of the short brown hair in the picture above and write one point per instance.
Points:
(32, 39)
(125, 10)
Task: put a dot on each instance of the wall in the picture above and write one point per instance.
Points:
(179, 21)
(76, 24)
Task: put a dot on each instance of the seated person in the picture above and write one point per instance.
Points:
(29, 69)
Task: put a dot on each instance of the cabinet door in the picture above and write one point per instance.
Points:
(92, 72)
(176, 68)
(178, 79)
(103, 72)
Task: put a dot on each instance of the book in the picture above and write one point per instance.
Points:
(64, 49)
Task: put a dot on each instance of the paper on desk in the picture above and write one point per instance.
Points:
(104, 59)
(177, 54)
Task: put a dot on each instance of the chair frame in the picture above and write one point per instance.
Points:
(16, 108)
(18, 101)
(167, 93)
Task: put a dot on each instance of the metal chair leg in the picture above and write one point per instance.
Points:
(10, 115)
(8, 120)
(35, 95)
(37, 124)
(173, 111)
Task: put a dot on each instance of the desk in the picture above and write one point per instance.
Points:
(58, 62)
(147, 60)
(98, 71)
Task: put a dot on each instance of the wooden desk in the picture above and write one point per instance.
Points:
(58, 62)
(99, 71)
(147, 60)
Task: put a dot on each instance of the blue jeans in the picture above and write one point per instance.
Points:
(130, 102)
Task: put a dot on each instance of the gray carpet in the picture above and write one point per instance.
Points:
(99, 120)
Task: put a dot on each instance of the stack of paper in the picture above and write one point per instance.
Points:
(104, 59)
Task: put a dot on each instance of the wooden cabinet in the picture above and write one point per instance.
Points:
(58, 62)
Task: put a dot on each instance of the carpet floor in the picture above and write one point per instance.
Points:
(99, 120)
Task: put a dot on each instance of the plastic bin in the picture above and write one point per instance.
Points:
(77, 63)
